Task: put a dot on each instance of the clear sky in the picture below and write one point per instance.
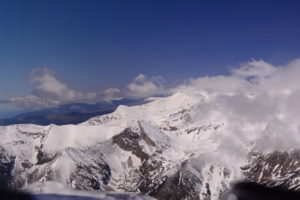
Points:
(96, 44)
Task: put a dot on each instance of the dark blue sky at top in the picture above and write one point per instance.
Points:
(95, 44)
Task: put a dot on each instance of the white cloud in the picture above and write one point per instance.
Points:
(256, 98)
(140, 78)
(256, 93)
(254, 68)
(47, 86)
(49, 91)
(110, 94)
(143, 86)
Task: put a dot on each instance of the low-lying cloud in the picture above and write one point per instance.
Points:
(47, 86)
(252, 91)
(49, 91)
(143, 86)
(256, 102)
(256, 99)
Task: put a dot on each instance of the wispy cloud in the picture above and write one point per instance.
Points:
(142, 87)
(254, 68)
(251, 84)
(49, 91)
(256, 101)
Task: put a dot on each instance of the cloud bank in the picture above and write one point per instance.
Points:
(255, 88)
(49, 91)
(257, 101)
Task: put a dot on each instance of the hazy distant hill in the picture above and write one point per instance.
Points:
(67, 114)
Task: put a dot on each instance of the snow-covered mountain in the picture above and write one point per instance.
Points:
(174, 147)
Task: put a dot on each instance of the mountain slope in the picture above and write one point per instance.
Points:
(166, 149)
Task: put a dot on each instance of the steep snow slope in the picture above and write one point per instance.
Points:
(171, 148)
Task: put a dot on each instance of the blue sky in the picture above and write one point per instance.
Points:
(92, 45)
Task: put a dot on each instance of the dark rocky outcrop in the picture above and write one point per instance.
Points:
(128, 140)
(182, 185)
(6, 166)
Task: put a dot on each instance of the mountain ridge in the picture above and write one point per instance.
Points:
(152, 149)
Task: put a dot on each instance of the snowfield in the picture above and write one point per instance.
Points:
(185, 146)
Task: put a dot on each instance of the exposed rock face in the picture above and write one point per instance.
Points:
(155, 175)
(43, 157)
(182, 185)
(89, 176)
(128, 140)
(277, 169)
(6, 166)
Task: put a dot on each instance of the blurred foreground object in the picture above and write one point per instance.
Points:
(14, 195)
(253, 191)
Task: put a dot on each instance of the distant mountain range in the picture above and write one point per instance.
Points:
(68, 114)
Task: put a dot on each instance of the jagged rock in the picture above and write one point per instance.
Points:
(180, 186)
(277, 169)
